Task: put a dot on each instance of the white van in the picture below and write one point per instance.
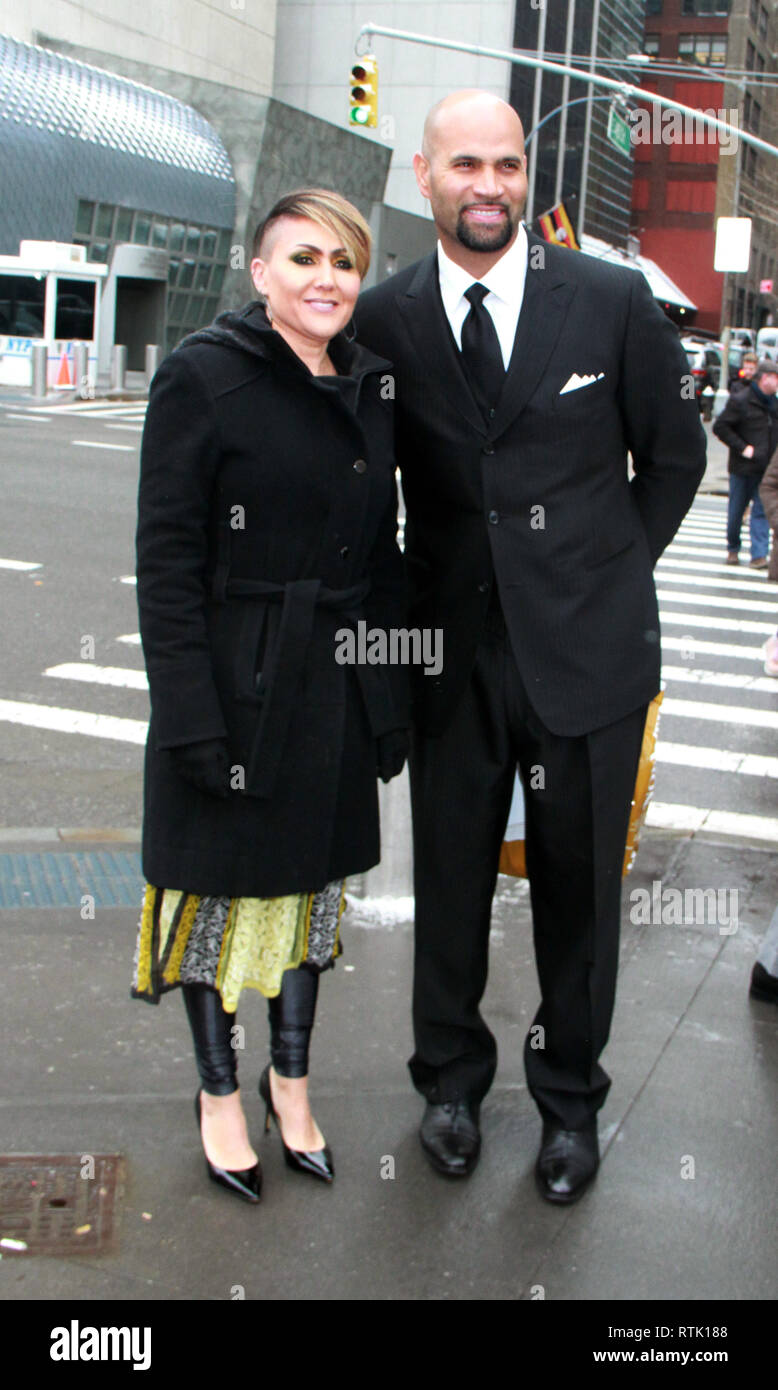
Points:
(767, 343)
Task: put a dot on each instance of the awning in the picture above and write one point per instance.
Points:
(662, 287)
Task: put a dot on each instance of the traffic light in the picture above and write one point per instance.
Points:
(363, 89)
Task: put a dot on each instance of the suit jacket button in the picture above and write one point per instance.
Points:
(488, 448)
(494, 517)
(360, 466)
(344, 551)
(482, 588)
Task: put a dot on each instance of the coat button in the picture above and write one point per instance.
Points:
(344, 551)
(360, 466)
(482, 588)
(494, 517)
(488, 448)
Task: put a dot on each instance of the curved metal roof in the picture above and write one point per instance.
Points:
(110, 139)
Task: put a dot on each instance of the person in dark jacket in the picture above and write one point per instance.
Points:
(267, 528)
(748, 424)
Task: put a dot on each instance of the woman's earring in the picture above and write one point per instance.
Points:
(268, 311)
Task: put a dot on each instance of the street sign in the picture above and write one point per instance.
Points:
(619, 132)
(733, 244)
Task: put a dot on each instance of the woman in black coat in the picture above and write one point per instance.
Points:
(267, 520)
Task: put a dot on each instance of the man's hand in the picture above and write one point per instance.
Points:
(391, 752)
(204, 764)
(748, 452)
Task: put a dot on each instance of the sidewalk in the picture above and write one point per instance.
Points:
(87, 1070)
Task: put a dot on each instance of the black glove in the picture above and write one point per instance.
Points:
(204, 764)
(391, 752)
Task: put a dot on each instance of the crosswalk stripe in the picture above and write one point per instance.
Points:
(695, 646)
(73, 721)
(668, 577)
(720, 624)
(704, 567)
(20, 565)
(744, 605)
(759, 684)
(99, 675)
(716, 759)
(692, 547)
(673, 816)
(102, 444)
(721, 714)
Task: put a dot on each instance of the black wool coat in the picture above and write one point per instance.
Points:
(748, 418)
(267, 521)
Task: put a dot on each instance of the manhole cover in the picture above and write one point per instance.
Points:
(59, 1204)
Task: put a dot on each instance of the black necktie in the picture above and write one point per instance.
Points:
(481, 349)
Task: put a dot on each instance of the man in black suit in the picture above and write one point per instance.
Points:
(524, 373)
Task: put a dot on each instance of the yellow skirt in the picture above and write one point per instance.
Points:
(232, 943)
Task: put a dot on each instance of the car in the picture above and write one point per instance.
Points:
(767, 342)
(742, 337)
(706, 360)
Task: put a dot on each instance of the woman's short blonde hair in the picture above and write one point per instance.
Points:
(330, 210)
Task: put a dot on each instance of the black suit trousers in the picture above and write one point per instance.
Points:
(578, 793)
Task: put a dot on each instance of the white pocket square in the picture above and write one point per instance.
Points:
(575, 382)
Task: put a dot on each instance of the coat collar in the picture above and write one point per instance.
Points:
(547, 294)
(249, 330)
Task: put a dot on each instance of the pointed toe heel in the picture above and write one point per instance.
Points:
(317, 1162)
(244, 1182)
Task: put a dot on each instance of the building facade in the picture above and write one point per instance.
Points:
(573, 158)
(688, 178)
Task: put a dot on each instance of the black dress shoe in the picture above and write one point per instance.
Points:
(567, 1162)
(763, 984)
(244, 1182)
(450, 1137)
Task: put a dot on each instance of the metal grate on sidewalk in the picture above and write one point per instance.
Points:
(62, 879)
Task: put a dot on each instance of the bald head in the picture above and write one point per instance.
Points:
(472, 168)
(463, 114)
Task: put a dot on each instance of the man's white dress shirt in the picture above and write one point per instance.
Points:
(505, 283)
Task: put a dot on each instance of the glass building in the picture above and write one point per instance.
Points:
(93, 159)
(619, 33)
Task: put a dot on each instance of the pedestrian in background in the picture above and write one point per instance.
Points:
(748, 366)
(748, 424)
(267, 519)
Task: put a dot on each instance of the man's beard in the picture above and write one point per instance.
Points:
(482, 237)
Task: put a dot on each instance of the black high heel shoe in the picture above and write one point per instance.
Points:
(244, 1182)
(317, 1162)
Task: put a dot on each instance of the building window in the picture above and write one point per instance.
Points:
(705, 7)
(753, 12)
(22, 306)
(750, 56)
(749, 162)
(756, 113)
(651, 45)
(703, 49)
(759, 63)
(653, 6)
(123, 227)
(75, 311)
(84, 217)
(762, 22)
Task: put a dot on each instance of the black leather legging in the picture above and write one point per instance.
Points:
(291, 1016)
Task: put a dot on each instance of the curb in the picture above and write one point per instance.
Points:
(50, 835)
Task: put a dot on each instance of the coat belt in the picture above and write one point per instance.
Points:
(282, 677)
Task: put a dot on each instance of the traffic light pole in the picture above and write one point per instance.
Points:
(623, 89)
